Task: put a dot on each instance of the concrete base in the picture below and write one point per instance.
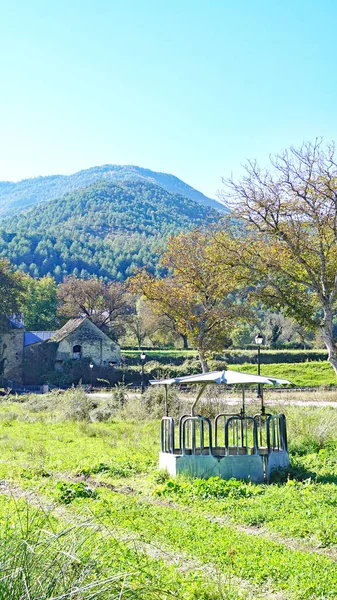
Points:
(275, 461)
(248, 467)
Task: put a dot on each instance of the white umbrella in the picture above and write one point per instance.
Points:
(224, 377)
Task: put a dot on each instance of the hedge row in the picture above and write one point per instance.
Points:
(233, 357)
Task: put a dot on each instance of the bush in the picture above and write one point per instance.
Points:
(154, 402)
(68, 492)
(104, 412)
(108, 408)
(41, 402)
(231, 356)
(77, 405)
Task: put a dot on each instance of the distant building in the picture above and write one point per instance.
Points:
(78, 339)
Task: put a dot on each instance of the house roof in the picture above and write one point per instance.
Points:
(68, 328)
(33, 337)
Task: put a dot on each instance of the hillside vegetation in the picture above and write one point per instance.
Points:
(106, 229)
(14, 197)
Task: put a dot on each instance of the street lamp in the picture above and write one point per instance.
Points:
(258, 342)
(91, 366)
(143, 359)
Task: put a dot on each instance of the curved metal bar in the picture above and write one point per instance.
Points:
(243, 421)
(283, 432)
(166, 400)
(225, 415)
(181, 428)
(277, 425)
(193, 420)
(258, 418)
(167, 435)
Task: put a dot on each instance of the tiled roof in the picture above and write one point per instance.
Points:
(69, 327)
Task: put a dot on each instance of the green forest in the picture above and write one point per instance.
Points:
(108, 230)
(18, 196)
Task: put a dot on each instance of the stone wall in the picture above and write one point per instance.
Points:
(11, 355)
(39, 362)
(95, 345)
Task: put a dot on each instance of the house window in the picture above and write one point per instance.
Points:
(77, 352)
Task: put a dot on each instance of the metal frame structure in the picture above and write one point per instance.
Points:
(251, 447)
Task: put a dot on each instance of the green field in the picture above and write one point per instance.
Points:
(86, 514)
(313, 373)
(230, 355)
(309, 374)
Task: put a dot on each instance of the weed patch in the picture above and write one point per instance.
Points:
(68, 492)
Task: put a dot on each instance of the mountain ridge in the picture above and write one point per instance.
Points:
(19, 196)
(107, 229)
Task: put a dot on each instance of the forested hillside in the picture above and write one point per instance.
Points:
(15, 197)
(106, 229)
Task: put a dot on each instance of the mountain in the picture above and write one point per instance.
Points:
(15, 197)
(106, 229)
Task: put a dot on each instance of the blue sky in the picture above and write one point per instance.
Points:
(189, 87)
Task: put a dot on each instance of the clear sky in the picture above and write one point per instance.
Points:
(189, 87)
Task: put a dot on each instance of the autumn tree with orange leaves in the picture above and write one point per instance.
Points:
(201, 307)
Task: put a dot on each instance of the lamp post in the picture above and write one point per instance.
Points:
(143, 359)
(91, 366)
(258, 342)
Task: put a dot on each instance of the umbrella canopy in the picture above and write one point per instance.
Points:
(225, 377)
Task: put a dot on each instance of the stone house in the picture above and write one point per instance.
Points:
(80, 338)
(23, 352)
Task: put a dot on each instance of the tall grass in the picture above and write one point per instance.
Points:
(39, 560)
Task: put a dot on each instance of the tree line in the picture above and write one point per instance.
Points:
(275, 255)
(277, 248)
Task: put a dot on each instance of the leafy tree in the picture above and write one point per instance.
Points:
(12, 291)
(105, 304)
(142, 322)
(241, 336)
(40, 306)
(201, 307)
(290, 246)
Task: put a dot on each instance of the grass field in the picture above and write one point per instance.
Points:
(175, 363)
(308, 374)
(300, 355)
(84, 512)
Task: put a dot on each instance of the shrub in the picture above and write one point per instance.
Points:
(104, 412)
(77, 405)
(42, 402)
(154, 402)
(229, 356)
(68, 492)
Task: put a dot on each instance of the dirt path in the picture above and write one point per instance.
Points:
(291, 543)
(183, 563)
(234, 401)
